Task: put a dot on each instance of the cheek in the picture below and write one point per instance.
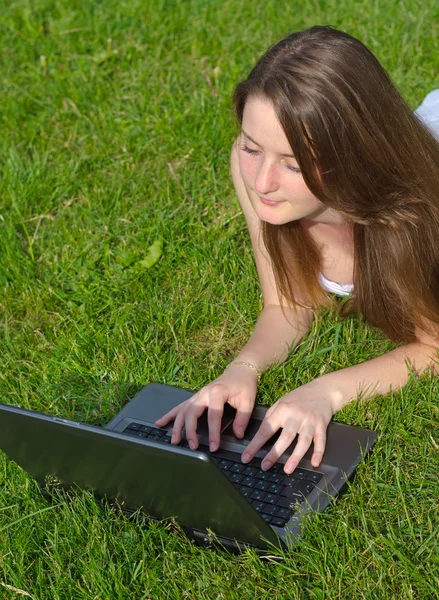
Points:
(247, 167)
(298, 189)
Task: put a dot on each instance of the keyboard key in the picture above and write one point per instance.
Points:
(314, 477)
(225, 464)
(133, 427)
(285, 502)
(291, 494)
(301, 473)
(146, 429)
(262, 485)
(276, 478)
(237, 467)
(246, 491)
(270, 510)
(290, 481)
(264, 475)
(282, 513)
(277, 468)
(133, 432)
(235, 477)
(266, 517)
(249, 481)
(277, 522)
(259, 506)
(304, 486)
(275, 488)
(271, 498)
(257, 495)
(249, 471)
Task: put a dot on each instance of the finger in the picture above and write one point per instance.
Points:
(286, 438)
(193, 413)
(214, 416)
(319, 446)
(242, 417)
(178, 427)
(267, 428)
(169, 416)
(165, 419)
(303, 443)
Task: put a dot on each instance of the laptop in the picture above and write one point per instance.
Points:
(216, 499)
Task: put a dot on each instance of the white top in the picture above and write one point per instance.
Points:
(341, 289)
(428, 112)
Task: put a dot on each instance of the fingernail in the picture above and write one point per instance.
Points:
(212, 446)
(240, 431)
(245, 457)
(191, 445)
(266, 465)
(174, 437)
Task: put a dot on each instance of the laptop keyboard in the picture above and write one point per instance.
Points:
(272, 493)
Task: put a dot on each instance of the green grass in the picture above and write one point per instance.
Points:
(116, 132)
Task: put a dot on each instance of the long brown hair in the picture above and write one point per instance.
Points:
(362, 152)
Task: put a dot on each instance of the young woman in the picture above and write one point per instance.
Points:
(339, 184)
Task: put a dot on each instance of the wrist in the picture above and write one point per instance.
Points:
(329, 394)
(250, 367)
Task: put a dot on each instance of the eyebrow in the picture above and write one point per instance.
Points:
(255, 142)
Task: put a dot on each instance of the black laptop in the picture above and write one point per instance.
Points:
(214, 496)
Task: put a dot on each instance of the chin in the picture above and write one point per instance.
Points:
(275, 217)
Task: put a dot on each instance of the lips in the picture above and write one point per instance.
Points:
(268, 202)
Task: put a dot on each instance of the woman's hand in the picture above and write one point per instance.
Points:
(237, 386)
(305, 412)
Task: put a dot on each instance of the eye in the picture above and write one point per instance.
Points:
(245, 148)
(290, 167)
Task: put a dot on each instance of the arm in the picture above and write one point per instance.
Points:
(306, 411)
(275, 333)
(377, 376)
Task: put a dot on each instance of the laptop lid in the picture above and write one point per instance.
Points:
(164, 481)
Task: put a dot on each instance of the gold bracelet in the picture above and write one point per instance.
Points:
(245, 364)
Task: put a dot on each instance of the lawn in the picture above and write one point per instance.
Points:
(114, 152)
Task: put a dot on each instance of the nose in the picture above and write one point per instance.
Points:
(266, 178)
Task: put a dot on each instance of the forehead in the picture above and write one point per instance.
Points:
(260, 122)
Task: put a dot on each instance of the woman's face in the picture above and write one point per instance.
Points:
(271, 174)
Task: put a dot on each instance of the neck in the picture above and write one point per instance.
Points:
(331, 233)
